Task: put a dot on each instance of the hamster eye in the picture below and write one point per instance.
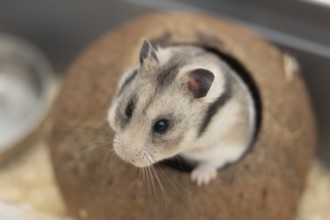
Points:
(161, 126)
(129, 110)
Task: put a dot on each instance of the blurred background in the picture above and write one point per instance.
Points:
(62, 29)
(49, 34)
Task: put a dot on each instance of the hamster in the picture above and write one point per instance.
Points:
(186, 101)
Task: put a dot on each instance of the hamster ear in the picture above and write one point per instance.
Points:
(147, 52)
(199, 82)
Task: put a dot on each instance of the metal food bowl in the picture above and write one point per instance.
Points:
(27, 88)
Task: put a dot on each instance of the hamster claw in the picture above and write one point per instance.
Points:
(203, 174)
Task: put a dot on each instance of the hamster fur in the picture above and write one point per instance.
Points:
(182, 100)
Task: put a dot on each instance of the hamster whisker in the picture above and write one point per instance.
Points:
(112, 156)
(184, 193)
(103, 154)
(177, 158)
(152, 178)
(140, 172)
(151, 160)
(146, 179)
(113, 130)
(96, 145)
(97, 153)
(161, 186)
(150, 182)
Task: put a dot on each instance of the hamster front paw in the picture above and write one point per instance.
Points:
(203, 174)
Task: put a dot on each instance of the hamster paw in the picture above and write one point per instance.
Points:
(203, 174)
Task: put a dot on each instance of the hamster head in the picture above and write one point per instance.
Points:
(159, 106)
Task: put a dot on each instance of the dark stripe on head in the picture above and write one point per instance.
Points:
(215, 106)
(169, 72)
(127, 81)
(122, 111)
